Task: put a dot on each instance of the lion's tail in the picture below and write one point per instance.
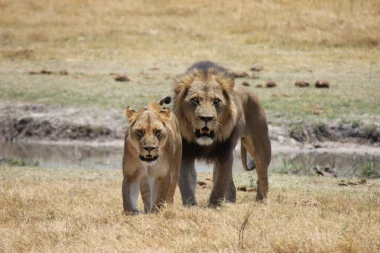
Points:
(243, 153)
(165, 100)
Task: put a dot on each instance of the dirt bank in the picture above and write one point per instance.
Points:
(21, 121)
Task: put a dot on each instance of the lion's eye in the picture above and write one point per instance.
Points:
(139, 132)
(157, 132)
(217, 101)
(195, 101)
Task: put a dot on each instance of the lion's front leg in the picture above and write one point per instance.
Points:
(222, 177)
(260, 150)
(230, 195)
(130, 191)
(188, 182)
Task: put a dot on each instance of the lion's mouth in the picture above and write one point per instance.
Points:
(205, 132)
(148, 158)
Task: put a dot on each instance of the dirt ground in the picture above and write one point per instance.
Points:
(64, 124)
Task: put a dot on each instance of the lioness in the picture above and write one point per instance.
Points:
(152, 157)
(213, 115)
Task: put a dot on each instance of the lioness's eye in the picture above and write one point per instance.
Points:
(157, 132)
(194, 101)
(139, 132)
(217, 101)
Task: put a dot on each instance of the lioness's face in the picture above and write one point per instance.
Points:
(206, 101)
(148, 136)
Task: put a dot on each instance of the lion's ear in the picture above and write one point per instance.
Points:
(130, 113)
(165, 114)
(183, 82)
(227, 84)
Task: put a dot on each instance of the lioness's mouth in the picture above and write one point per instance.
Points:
(205, 132)
(148, 158)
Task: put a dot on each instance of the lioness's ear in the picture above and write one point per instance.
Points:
(130, 113)
(165, 114)
(165, 100)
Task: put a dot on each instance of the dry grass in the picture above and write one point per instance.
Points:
(293, 40)
(309, 40)
(151, 31)
(79, 210)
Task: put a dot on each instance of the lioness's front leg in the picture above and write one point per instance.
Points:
(222, 177)
(146, 185)
(160, 192)
(188, 182)
(130, 191)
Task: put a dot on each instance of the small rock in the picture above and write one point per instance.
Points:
(259, 86)
(322, 84)
(271, 84)
(45, 72)
(302, 84)
(245, 84)
(257, 68)
(121, 78)
(201, 183)
(238, 74)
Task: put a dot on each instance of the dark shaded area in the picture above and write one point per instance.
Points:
(38, 129)
(303, 133)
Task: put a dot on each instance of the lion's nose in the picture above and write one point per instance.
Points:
(206, 118)
(149, 148)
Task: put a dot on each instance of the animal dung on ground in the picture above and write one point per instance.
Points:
(302, 84)
(246, 189)
(271, 84)
(257, 68)
(121, 78)
(40, 72)
(322, 84)
(245, 84)
(236, 74)
(48, 72)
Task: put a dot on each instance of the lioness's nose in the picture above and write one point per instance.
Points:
(206, 118)
(149, 148)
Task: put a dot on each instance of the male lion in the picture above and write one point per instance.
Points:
(152, 157)
(213, 115)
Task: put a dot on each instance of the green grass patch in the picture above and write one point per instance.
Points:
(371, 169)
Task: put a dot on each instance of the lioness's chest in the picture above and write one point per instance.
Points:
(159, 169)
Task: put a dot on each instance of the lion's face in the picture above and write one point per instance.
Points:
(206, 107)
(148, 134)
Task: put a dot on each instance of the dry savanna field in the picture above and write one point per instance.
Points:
(62, 210)
(80, 210)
